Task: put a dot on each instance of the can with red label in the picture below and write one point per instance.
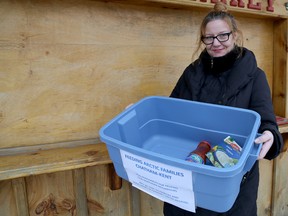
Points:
(199, 154)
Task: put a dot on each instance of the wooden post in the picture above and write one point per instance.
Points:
(19, 189)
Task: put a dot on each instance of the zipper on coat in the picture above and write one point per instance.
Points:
(212, 63)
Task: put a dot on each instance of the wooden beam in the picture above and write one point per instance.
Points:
(52, 160)
(264, 8)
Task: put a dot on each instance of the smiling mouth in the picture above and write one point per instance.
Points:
(218, 50)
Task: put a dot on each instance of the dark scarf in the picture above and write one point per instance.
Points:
(217, 70)
(218, 65)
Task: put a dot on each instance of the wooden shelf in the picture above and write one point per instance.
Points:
(59, 159)
(283, 129)
(53, 160)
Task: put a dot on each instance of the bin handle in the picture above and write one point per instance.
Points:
(253, 156)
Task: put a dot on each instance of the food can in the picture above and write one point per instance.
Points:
(199, 154)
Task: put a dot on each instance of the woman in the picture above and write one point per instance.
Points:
(226, 73)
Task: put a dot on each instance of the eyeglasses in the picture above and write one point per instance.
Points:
(220, 37)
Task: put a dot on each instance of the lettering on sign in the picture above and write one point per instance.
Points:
(251, 4)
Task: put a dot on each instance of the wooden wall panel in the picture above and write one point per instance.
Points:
(81, 63)
(280, 67)
(280, 197)
(150, 205)
(257, 8)
(280, 184)
(101, 199)
(51, 194)
(256, 38)
(20, 196)
(7, 200)
(265, 188)
(69, 67)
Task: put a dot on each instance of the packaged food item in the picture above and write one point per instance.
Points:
(233, 144)
(225, 154)
(199, 154)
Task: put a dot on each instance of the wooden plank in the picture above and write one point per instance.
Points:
(150, 205)
(52, 160)
(80, 192)
(135, 200)
(283, 128)
(64, 65)
(280, 185)
(47, 146)
(7, 199)
(262, 50)
(63, 79)
(19, 189)
(258, 8)
(265, 188)
(280, 68)
(51, 194)
(101, 199)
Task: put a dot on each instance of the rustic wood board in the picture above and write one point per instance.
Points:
(66, 68)
(48, 161)
(265, 188)
(280, 68)
(280, 184)
(7, 200)
(257, 8)
(150, 205)
(101, 199)
(69, 67)
(51, 194)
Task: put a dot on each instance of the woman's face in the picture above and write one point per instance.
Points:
(219, 28)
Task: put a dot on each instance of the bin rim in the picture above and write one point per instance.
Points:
(194, 167)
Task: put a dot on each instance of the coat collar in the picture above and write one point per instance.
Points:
(238, 75)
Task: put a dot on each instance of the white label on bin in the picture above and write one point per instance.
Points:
(167, 183)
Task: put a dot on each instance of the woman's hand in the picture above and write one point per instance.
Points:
(267, 140)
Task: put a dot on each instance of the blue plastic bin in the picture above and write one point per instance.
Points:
(165, 129)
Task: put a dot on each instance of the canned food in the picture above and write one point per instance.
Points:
(199, 154)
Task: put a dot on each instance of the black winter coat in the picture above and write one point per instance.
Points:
(246, 87)
(238, 82)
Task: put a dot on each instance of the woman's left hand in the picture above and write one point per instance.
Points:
(267, 140)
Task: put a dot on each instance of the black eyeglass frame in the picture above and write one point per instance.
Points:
(216, 37)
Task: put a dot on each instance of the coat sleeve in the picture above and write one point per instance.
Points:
(261, 102)
(188, 84)
(179, 85)
(182, 89)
